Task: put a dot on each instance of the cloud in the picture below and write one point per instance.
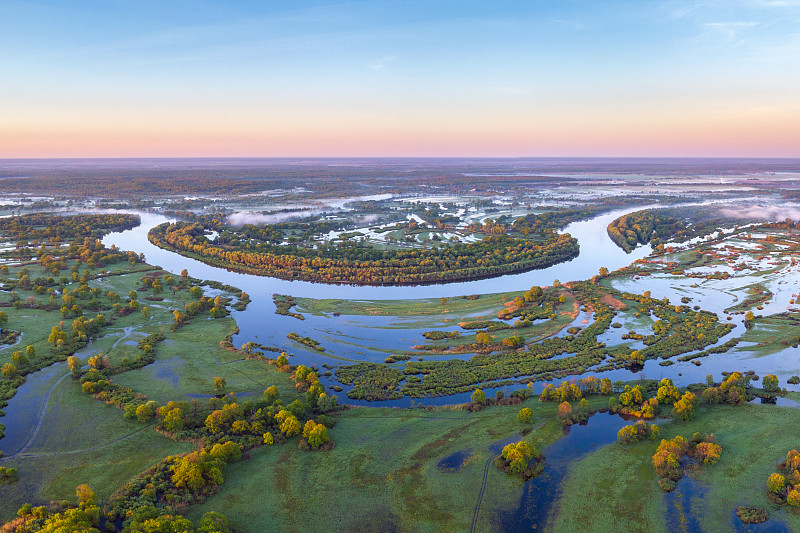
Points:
(574, 24)
(766, 213)
(729, 29)
(382, 63)
(368, 219)
(242, 218)
(773, 3)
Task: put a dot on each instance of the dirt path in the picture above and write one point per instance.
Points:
(21, 455)
(483, 487)
(39, 417)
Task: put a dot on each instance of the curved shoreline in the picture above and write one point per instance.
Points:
(256, 272)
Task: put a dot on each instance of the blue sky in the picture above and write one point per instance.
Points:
(400, 78)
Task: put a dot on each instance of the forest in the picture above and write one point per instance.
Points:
(493, 256)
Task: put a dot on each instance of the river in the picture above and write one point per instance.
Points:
(373, 338)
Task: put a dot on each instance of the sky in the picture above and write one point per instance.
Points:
(135, 78)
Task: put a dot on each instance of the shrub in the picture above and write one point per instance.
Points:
(478, 397)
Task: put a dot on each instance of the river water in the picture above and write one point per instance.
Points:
(373, 338)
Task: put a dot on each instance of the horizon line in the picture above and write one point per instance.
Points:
(377, 157)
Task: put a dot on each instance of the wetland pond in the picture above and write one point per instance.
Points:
(539, 494)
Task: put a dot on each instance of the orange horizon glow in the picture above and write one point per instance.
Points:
(310, 79)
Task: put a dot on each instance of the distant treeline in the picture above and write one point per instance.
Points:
(675, 224)
(40, 226)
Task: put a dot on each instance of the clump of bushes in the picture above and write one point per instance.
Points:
(637, 432)
(783, 487)
(439, 335)
(520, 458)
(752, 515)
(8, 475)
(668, 456)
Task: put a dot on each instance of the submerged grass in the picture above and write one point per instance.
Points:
(616, 488)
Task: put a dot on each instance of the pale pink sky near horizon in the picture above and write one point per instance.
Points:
(451, 78)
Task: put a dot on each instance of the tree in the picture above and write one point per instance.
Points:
(268, 438)
(184, 273)
(685, 407)
(228, 452)
(85, 495)
(3, 318)
(57, 336)
(19, 359)
(196, 470)
(180, 318)
(8, 370)
(161, 523)
(290, 426)
(478, 397)
(525, 415)
(219, 384)
(310, 425)
(146, 411)
(483, 338)
(213, 522)
(318, 436)
(145, 312)
(173, 420)
(74, 364)
(518, 454)
(667, 392)
(770, 383)
(776, 483)
(30, 351)
(282, 360)
(667, 459)
(565, 412)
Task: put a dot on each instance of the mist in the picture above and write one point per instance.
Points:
(766, 213)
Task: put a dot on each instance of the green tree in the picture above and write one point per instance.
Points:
(483, 338)
(290, 426)
(525, 415)
(173, 420)
(74, 364)
(213, 522)
(196, 470)
(478, 397)
(770, 383)
(684, 408)
(318, 436)
(219, 384)
(228, 452)
(776, 483)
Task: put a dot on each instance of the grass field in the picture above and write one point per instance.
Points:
(81, 440)
(615, 488)
(487, 303)
(382, 475)
(190, 358)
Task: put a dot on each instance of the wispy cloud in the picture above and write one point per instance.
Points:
(730, 30)
(574, 24)
(382, 63)
(773, 3)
